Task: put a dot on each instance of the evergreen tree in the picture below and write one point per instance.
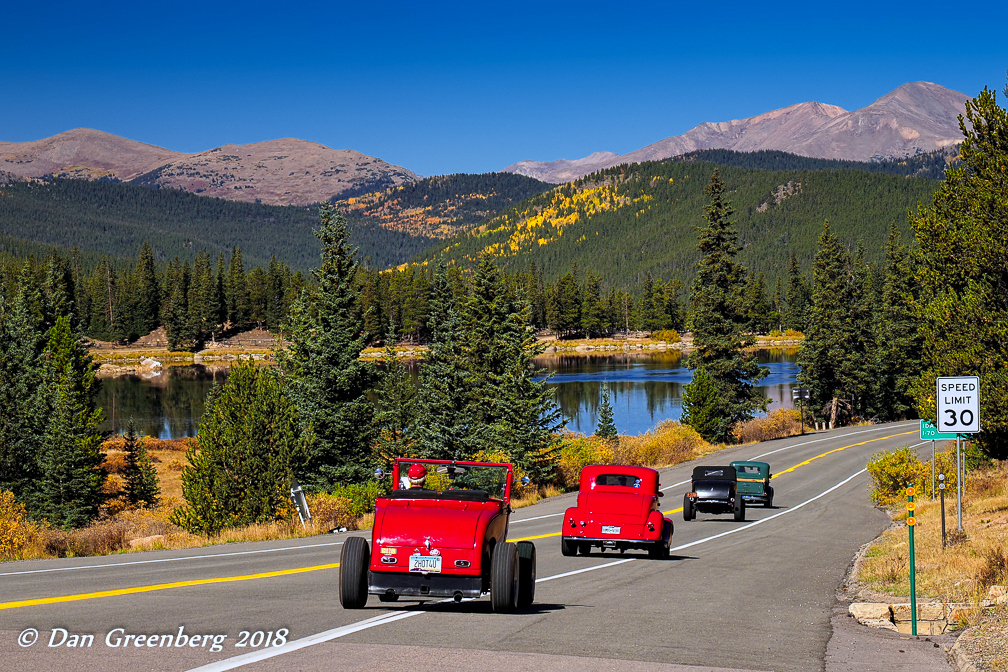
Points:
(328, 381)
(700, 407)
(148, 291)
(962, 268)
(141, 486)
(238, 303)
(71, 473)
(395, 403)
(22, 396)
(718, 318)
(798, 296)
(592, 308)
(606, 427)
(898, 340)
(251, 445)
(444, 426)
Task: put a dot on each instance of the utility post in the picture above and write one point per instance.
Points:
(911, 523)
(800, 394)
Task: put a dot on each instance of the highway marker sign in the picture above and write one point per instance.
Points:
(959, 404)
(928, 432)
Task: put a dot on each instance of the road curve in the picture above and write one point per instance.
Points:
(756, 595)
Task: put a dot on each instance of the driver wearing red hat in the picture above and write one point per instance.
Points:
(417, 475)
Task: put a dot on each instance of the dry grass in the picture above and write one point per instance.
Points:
(972, 563)
(666, 444)
(777, 425)
(530, 496)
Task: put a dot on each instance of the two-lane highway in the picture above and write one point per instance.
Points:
(753, 595)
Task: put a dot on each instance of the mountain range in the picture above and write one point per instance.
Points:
(915, 118)
(287, 171)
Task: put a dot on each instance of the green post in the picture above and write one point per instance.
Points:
(911, 523)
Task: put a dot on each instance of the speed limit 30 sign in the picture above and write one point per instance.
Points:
(959, 404)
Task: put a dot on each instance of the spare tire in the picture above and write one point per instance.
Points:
(526, 573)
(353, 584)
(504, 578)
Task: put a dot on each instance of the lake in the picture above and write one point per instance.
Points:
(644, 390)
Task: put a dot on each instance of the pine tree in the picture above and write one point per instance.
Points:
(238, 304)
(798, 296)
(72, 477)
(606, 427)
(700, 407)
(592, 309)
(718, 317)
(251, 445)
(898, 340)
(328, 381)
(444, 428)
(148, 291)
(395, 403)
(141, 486)
(961, 268)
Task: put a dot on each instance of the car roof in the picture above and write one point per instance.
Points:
(648, 476)
(727, 472)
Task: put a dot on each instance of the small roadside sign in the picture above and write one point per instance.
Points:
(799, 393)
(929, 432)
(959, 404)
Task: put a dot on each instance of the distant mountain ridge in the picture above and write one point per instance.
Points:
(287, 171)
(915, 118)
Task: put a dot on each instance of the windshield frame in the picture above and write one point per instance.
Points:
(396, 470)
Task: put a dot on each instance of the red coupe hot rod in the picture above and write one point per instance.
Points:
(617, 507)
(442, 532)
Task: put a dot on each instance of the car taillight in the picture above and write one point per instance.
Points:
(571, 521)
(691, 495)
(650, 526)
(582, 523)
(461, 563)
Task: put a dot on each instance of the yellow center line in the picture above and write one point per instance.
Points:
(299, 570)
(800, 464)
(161, 586)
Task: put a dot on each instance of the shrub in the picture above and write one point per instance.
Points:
(577, 452)
(993, 570)
(777, 425)
(330, 511)
(793, 334)
(16, 531)
(360, 497)
(892, 470)
(667, 335)
(668, 443)
(775, 333)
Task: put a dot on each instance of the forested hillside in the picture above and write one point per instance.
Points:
(628, 221)
(443, 205)
(930, 165)
(116, 219)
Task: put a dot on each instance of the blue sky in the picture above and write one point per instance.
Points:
(468, 87)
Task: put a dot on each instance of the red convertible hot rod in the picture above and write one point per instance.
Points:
(617, 507)
(442, 532)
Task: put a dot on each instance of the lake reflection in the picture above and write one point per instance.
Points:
(644, 388)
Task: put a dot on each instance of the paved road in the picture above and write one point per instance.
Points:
(757, 595)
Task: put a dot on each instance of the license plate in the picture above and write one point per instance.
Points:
(610, 529)
(425, 563)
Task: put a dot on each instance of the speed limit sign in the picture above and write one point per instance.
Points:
(959, 404)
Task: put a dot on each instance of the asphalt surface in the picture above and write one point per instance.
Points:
(754, 595)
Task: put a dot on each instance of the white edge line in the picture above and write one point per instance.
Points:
(788, 447)
(768, 518)
(336, 633)
(187, 557)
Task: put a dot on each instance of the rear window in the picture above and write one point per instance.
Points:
(747, 469)
(713, 473)
(618, 479)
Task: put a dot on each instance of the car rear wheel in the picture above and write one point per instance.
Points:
(769, 500)
(354, 560)
(688, 513)
(739, 509)
(504, 577)
(584, 548)
(568, 547)
(526, 573)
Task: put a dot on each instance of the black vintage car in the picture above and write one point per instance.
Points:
(714, 490)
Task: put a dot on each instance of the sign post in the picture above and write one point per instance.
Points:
(911, 522)
(799, 394)
(941, 486)
(958, 402)
(929, 432)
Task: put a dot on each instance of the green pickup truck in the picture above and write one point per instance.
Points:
(754, 482)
